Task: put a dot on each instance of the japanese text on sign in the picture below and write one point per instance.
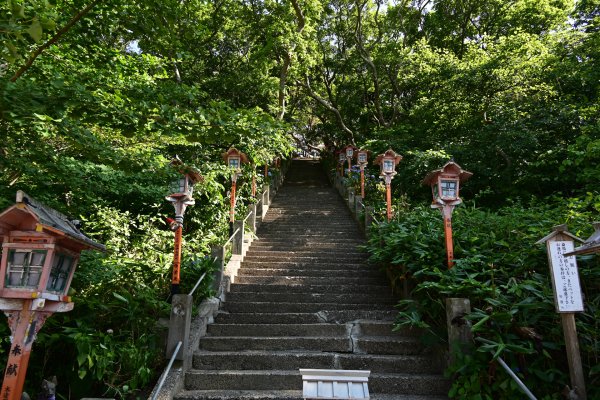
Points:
(565, 277)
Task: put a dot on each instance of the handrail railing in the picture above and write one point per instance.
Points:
(510, 372)
(163, 378)
(249, 215)
(199, 282)
(231, 237)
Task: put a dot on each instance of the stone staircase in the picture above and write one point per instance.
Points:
(305, 297)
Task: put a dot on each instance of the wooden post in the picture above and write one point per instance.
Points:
(254, 184)
(232, 202)
(388, 196)
(567, 299)
(175, 279)
(459, 329)
(447, 213)
(24, 325)
(362, 181)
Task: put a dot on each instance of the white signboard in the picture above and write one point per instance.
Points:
(565, 277)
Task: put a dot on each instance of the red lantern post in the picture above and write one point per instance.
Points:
(387, 162)
(40, 251)
(234, 159)
(181, 197)
(445, 183)
(362, 158)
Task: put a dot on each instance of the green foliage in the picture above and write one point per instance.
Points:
(505, 275)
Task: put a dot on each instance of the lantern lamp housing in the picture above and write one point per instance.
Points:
(40, 251)
(342, 157)
(349, 151)
(182, 189)
(362, 157)
(445, 183)
(387, 162)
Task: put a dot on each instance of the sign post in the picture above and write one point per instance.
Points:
(567, 297)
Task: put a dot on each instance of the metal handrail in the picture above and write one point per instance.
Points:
(248, 216)
(199, 281)
(166, 372)
(510, 372)
(231, 237)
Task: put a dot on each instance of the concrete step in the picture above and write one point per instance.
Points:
(308, 272)
(276, 343)
(408, 384)
(248, 287)
(340, 317)
(324, 257)
(271, 330)
(399, 345)
(333, 253)
(259, 360)
(292, 264)
(315, 245)
(343, 298)
(308, 280)
(295, 307)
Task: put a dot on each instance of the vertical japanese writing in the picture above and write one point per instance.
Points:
(565, 277)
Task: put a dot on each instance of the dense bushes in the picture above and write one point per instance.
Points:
(505, 275)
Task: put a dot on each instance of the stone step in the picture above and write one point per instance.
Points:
(276, 330)
(259, 360)
(302, 245)
(340, 317)
(295, 307)
(304, 265)
(304, 253)
(276, 343)
(343, 298)
(324, 257)
(280, 395)
(248, 287)
(409, 384)
(330, 237)
(307, 272)
(308, 280)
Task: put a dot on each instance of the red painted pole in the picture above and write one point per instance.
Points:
(362, 182)
(232, 203)
(24, 325)
(175, 279)
(388, 190)
(254, 185)
(447, 213)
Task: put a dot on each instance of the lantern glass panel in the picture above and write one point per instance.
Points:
(435, 190)
(24, 268)
(59, 274)
(342, 157)
(388, 166)
(362, 157)
(349, 153)
(234, 162)
(449, 188)
(178, 186)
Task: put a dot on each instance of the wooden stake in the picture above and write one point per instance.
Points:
(447, 213)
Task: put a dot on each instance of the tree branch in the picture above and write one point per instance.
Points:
(53, 40)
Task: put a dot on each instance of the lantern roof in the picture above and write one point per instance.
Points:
(590, 245)
(186, 170)
(450, 168)
(390, 153)
(235, 152)
(30, 214)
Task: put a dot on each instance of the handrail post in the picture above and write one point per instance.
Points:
(368, 220)
(218, 254)
(179, 327)
(459, 329)
(351, 199)
(253, 218)
(265, 201)
(357, 207)
(238, 239)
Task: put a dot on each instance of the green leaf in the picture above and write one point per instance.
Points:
(35, 30)
(119, 297)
